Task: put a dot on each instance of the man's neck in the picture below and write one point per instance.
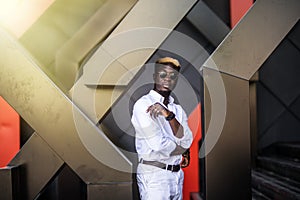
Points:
(165, 94)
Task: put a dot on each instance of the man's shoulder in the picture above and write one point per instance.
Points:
(143, 100)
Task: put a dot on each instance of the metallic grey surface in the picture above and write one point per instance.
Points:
(57, 120)
(9, 184)
(108, 191)
(254, 38)
(228, 163)
(208, 23)
(128, 47)
(253, 121)
(238, 58)
(38, 164)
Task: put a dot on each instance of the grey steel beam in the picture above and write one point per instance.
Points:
(124, 52)
(208, 23)
(117, 191)
(236, 60)
(131, 44)
(228, 162)
(255, 37)
(73, 137)
(38, 163)
(95, 30)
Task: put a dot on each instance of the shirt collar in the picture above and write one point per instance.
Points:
(157, 97)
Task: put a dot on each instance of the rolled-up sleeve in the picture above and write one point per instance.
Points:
(187, 139)
(148, 132)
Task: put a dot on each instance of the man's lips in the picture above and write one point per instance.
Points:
(166, 85)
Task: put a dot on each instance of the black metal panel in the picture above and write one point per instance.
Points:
(66, 185)
(281, 71)
(269, 109)
(279, 93)
(284, 129)
(295, 107)
(38, 164)
(10, 183)
(208, 23)
(294, 35)
(221, 8)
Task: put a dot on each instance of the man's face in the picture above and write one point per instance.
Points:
(165, 78)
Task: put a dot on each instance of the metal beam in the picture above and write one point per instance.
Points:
(70, 55)
(227, 161)
(122, 54)
(131, 43)
(38, 163)
(59, 122)
(255, 37)
(208, 23)
(229, 71)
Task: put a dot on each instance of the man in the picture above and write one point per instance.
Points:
(162, 135)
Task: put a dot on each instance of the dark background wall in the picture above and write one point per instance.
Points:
(278, 93)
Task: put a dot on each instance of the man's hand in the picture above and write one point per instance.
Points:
(157, 109)
(185, 159)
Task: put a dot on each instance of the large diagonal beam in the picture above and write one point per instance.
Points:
(76, 140)
(71, 54)
(122, 54)
(255, 37)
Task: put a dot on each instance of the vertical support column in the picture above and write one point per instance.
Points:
(228, 163)
(253, 116)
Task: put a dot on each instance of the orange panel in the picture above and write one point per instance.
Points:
(237, 10)
(191, 173)
(9, 133)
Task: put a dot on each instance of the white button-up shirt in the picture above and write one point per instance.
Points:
(154, 137)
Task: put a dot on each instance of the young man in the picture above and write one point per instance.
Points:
(162, 136)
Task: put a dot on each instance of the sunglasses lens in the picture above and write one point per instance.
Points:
(162, 74)
(173, 76)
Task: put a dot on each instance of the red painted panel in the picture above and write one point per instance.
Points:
(191, 173)
(9, 133)
(237, 10)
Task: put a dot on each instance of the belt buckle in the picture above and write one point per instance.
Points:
(171, 169)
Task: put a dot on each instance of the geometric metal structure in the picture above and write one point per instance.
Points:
(65, 133)
(234, 62)
(51, 114)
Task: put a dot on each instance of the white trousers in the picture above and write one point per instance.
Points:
(159, 184)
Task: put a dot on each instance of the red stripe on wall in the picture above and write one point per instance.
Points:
(191, 173)
(238, 8)
(9, 133)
